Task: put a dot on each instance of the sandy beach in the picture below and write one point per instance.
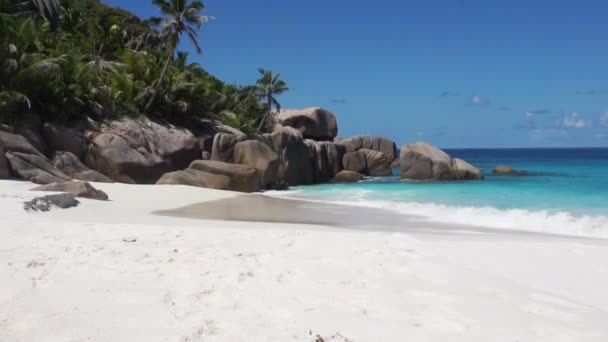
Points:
(177, 263)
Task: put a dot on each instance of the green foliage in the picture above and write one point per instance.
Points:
(80, 58)
(266, 87)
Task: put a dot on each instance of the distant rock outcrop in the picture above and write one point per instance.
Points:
(77, 188)
(314, 123)
(509, 171)
(422, 161)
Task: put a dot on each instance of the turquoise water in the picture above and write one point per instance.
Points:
(567, 192)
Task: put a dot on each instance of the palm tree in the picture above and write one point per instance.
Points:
(179, 17)
(267, 87)
(47, 9)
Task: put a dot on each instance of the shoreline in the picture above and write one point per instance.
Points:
(114, 271)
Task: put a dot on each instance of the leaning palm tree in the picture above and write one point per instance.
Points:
(267, 87)
(179, 17)
(47, 9)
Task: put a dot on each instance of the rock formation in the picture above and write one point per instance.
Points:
(346, 176)
(46, 203)
(34, 168)
(73, 167)
(422, 161)
(314, 123)
(77, 188)
(243, 178)
(386, 146)
(260, 156)
(197, 178)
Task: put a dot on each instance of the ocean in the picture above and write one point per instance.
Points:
(566, 192)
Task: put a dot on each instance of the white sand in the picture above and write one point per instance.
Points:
(68, 275)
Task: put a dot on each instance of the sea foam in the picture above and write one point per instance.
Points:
(557, 222)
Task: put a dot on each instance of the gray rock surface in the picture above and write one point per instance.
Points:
(17, 143)
(466, 171)
(243, 178)
(73, 167)
(261, 157)
(46, 203)
(380, 144)
(355, 162)
(77, 188)
(327, 158)
(346, 176)
(377, 163)
(197, 178)
(296, 167)
(223, 146)
(62, 138)
(141, 151)
(4, 170)
(314, 123)
(35, 169)
(423, 161)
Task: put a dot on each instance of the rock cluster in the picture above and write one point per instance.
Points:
(303, 149)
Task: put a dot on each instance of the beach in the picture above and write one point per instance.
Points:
(148, 266)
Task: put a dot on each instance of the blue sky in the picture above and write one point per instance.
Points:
(456, 73)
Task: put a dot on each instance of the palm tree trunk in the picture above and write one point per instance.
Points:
(267, 115)
(159, 84)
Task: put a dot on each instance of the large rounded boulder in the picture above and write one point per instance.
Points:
(260, 156)
(346, 176)
(466, 171)
(243, 178)
(423, 161)
(113, 156)
(314, 123)
(377, 163)
(355, 162)
(196, 178)
(141, 151)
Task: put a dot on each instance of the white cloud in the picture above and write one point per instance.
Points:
(479, 101)
(604, 119)
(574, 120)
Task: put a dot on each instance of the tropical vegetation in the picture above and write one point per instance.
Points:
(71, 59)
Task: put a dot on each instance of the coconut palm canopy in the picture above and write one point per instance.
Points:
(81, 58)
